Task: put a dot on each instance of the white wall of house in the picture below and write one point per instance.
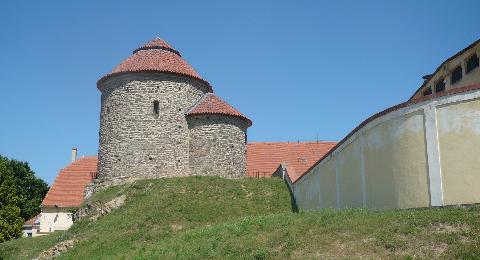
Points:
(30, 231)
(55, 218)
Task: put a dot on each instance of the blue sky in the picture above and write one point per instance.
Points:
(298, 69)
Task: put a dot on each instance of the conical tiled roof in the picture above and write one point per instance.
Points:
(155, 56)
(157, 42)
(69, 186)
(211, 104)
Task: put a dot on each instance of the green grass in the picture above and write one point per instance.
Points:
(28, 248)
(208, 217)
(157, 209)
(432, 233)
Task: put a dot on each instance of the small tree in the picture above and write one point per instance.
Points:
(29, 189)
(11, 221)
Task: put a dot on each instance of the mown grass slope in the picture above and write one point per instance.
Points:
(157, 209)
(207, 217)
(428, 233)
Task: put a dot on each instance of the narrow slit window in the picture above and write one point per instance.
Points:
(156, 108)
(440, 86)
(456, 74)
(472, 62)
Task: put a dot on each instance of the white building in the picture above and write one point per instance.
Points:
(66, 194)
(31, 227)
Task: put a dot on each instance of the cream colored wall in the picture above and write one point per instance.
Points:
(328, 185)
(309, 193)
(348, 165)
(446, 70)
(459, 136)
(396, 164)
(53, 219)
(418, 156)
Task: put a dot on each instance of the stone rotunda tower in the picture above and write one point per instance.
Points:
(159, 118)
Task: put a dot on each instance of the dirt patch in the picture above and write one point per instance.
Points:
(176, 227)
(446, 228)
(107, 207)
(96, 211)
(57, 249)
(249, 194)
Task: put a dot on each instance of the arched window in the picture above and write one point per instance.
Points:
(156, 108)
(472, 62)
(456, 74)
(440, 86)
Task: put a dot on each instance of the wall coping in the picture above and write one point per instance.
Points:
(389, 110)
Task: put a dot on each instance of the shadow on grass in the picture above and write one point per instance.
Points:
(293, 203)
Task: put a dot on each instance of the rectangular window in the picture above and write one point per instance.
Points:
(427, 91)
(440, 86)
(472, 63)
(456, 74)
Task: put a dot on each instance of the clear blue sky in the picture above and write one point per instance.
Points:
(296, 68)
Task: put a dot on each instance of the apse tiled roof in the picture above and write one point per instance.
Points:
(69, 186)
(211, 104)
(263, 158)
(155, 56)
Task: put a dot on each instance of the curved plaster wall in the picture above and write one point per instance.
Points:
(417, 154)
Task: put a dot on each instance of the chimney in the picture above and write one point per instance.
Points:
(74, 154)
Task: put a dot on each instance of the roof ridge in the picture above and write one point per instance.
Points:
(198, 102)
(211, 104)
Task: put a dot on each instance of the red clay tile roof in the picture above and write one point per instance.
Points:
(157, 42)
(211, 104)
(68, 188)
(263, 158)
(155, 56)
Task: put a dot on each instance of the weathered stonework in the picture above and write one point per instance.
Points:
(135, 143)
(217, 145)
(154, 122)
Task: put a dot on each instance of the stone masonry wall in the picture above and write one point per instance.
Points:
(134, 142)
(217, 145)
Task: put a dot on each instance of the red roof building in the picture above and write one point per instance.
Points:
(211, 104)
(155, 56)
(263, 158)
(69, 186)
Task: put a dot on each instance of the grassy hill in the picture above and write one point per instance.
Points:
(209, 217)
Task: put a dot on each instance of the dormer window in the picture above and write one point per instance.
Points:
(456, 74)
(156, 108)
(440, 86)
(472, 63)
